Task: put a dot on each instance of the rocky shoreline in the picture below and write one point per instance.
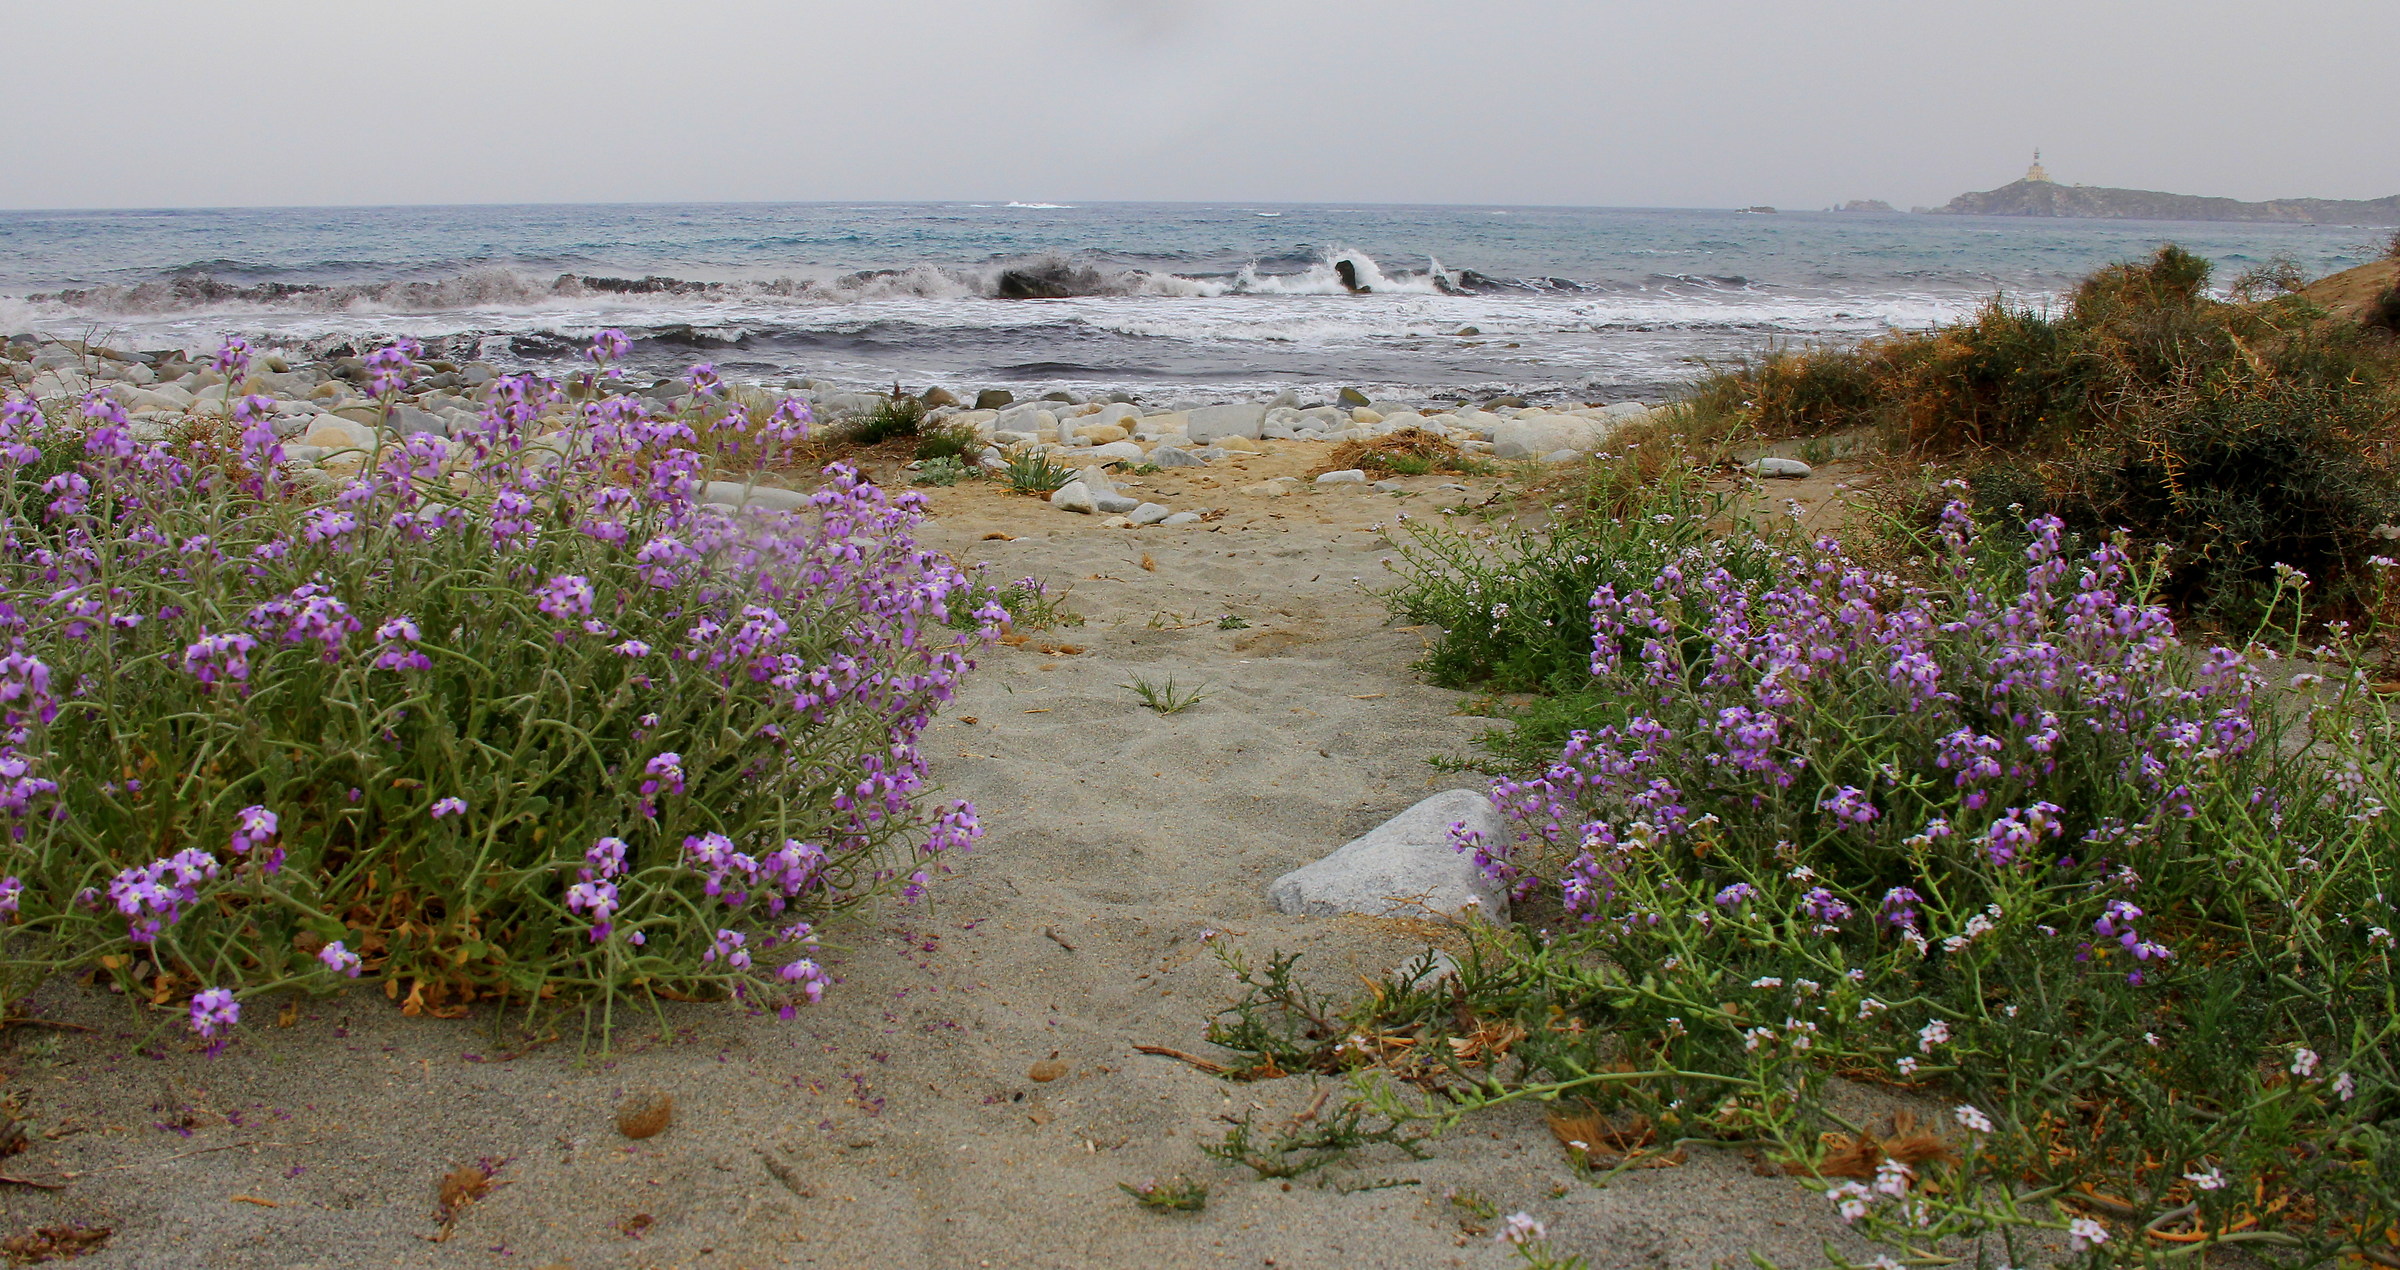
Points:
(331, 423)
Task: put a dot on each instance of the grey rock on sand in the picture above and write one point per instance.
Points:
(1074, 496)
(735, 494)
(1404, 866)
(1787, 469)
(1175, 456)
(1208, 423)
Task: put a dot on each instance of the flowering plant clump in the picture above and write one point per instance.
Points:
(507, 715)
(1996, 834)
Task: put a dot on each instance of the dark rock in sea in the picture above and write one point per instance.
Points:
(1470, 330)
(995, 399)
(1351, 397)
(1505, 403)
(938, 397)
(1066, 397)
(652, 285)
(1348, 273)
(1049, 280)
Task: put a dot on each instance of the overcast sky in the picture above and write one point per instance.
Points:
(1679, 103)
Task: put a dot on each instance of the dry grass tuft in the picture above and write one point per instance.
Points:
(1858, 1157)
(1410, 451)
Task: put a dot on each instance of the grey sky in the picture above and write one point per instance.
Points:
(1707, 103)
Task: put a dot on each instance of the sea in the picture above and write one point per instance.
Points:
(1171, 302)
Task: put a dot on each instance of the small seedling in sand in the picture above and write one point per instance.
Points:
(1165, 698)
(1475, 1213)
(1310, 1141)
(1178, 1194)
(1231, 623)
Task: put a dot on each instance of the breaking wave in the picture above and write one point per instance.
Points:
(234, 287)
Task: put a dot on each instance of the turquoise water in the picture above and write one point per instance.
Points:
(1167, 300)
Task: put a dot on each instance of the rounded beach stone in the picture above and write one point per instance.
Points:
(1405, 865)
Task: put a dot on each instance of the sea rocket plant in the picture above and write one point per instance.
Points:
(451, 722)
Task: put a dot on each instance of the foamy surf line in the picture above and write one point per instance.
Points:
(1324, 318)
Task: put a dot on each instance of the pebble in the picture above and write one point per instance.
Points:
(1176, 456)
(1346, 476)
(1151, 514)
(1182, 518)
(1785, 469)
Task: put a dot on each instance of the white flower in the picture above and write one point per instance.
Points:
(1756, 1037)
(1932, 1034)
(2304, 1062)
(2084, 1233)
(2209, 1181)
(1891, 1178)
(1972, 1120)
(1802, 873)
(1907, 1063)
(1869, 1006)
(1851, 1199)
(2377, 935)
(2345, 1086)
(1521, 1229)
(2152, 1039)
(1884, 1263)
(1766, 981)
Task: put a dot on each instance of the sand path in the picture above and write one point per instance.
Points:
(896, 1125)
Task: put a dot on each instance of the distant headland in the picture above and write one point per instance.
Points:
(2037, 195)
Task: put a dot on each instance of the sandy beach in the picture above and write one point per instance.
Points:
(898, 1123)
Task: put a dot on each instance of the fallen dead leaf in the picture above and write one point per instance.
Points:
(54, 1243)
(998, 536)
(646, 1115)
(1148, 565)
(253, 1199)
(632, 1227)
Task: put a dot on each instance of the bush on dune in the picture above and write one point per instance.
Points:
(2232, 437)
(511, 716)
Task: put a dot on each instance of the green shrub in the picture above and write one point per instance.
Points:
(944, 471)
(956, 442)
(892, 418)
(2236, 437)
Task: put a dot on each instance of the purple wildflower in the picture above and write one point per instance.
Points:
(213, 1011)
(340, 959)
